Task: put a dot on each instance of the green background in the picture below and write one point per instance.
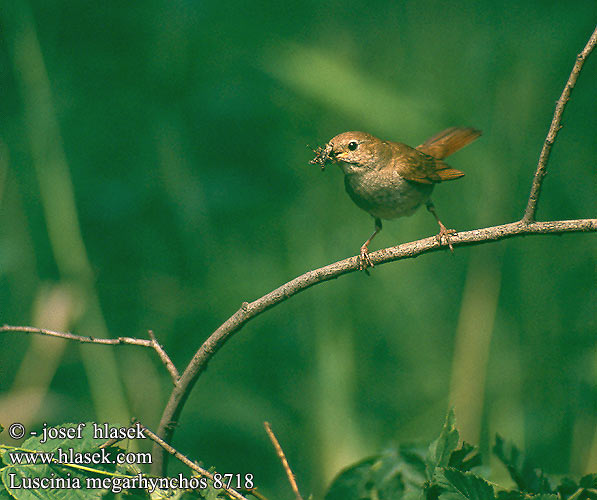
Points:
(154, 174)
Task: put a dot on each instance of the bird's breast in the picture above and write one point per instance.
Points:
(386, 195)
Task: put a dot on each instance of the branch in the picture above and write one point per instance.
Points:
(282, 457)
(152, 342)
(164, 357)
(529, 213)
(250, 310)
(159, 442)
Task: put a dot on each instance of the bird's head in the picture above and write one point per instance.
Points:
(353, 151)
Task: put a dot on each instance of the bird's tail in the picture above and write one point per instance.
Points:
(449, 141)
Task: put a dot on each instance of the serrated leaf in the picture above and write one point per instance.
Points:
(543, 496)
(468, 485)
(441, 449)
(525, 475)
(465, 458)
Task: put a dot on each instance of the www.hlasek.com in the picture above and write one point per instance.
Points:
(70, 456)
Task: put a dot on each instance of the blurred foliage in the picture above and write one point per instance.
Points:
(154, 174)
(439, 473)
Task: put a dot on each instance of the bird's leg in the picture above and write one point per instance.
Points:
(364, 260)
(443, 232)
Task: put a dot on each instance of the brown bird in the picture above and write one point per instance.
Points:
(390, 179)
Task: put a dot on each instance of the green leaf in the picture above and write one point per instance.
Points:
(396, 474)
(510, 495)
(589, 481)
(567, 487)
(466, 485)
(129, 495)
(4, 495)
(159, 494)
(465, 458)
(38, 469)
(441, 449)
(525, 475)
(543, 496)
(211, 493)
(431, 491)
(187, 495)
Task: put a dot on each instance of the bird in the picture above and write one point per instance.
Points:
(390, 179)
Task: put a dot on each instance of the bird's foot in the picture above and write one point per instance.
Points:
(364, 259)
(444, 234)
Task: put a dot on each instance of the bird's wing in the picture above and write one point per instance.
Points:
(449, 141)
(417, 166)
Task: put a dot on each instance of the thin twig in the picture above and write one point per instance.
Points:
(250, 310)
(156, 439)
(280, 452)
(152, 342)
(78, 338)
(164, 357)
(530, 212)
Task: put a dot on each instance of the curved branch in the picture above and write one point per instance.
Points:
(250, 310)
(529, 213)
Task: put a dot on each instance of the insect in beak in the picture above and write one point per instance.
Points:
(323, 155)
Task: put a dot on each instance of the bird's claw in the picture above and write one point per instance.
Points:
(444, 234)
(364, 259)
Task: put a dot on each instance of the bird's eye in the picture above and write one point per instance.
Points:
(352, 145)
